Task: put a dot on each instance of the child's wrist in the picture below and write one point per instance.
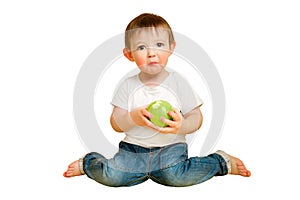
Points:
(130, 120)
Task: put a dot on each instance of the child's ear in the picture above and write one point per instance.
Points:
(127, 53)
(173, 45)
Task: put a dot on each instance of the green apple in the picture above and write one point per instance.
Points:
(160, 109)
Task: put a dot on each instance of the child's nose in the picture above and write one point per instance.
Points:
(151, 52)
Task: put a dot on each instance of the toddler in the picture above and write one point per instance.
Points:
(148, 151)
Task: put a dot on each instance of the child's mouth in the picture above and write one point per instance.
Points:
(153, 63)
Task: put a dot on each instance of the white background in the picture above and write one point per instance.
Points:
(255, 46)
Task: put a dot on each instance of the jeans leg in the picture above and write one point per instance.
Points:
(192, 171)
(103, 170)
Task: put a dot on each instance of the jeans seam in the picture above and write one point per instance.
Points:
(173, 164)
(137, 180)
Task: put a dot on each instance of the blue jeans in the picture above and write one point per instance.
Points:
(167, 165)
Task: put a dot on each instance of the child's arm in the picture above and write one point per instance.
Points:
(121, 120)
(116, 121)
(186, 124)
(192, 121)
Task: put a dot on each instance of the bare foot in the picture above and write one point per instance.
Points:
(238, 167)
(73, 170)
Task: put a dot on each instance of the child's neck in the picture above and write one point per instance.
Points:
(153, 80)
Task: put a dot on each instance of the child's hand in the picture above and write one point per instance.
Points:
(140, 116)
(173, 125)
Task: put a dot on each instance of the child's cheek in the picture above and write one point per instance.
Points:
(163, 59)
(140, 61)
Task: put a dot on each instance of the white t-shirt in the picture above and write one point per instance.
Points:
(132, 93)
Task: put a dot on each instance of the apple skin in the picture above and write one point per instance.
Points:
(160, 109)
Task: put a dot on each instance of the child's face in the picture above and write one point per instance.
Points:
(150, 49)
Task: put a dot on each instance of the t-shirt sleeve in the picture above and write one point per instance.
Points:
(189, 98)
(120, 97)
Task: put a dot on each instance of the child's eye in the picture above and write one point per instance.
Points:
(160, 44)
(141, 47)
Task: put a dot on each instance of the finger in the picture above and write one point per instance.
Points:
(175, 114)
(146, 121)
(170, 123)
(146, 113)
(155, 128)
(166, 130)
(150, 125)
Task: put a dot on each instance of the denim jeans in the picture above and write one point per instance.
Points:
(167, 165)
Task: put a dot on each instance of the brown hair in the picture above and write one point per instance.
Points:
(146, 20)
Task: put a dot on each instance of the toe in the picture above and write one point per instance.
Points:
(66, 175)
